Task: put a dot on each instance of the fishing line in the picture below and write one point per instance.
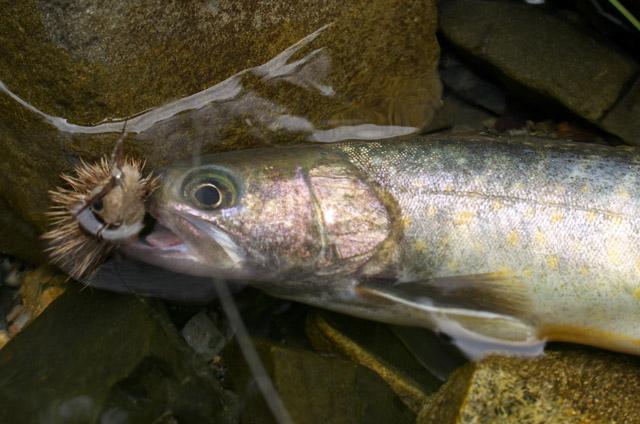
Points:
(265, 385)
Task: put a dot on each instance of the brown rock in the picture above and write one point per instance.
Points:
(315, 389)
(69, 69)
(40, 287)
(374, 346)
(573, 386)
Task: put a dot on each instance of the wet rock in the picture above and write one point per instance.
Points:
(17, 319)
(572, 386)
(4, 338)
(376, 347)
(94, 356)
(201, 333)
(195, 77)
(549, 58)
(11, 277)
(40, 287)
(463, 117)
(17, 236)
(470, 86)
(316, 389)
(624, 117)
(26, 293)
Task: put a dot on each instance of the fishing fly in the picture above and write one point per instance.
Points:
(102, 204)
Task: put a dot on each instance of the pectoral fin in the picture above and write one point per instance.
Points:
(482, 313)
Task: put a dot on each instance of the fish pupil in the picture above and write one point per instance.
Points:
(208, 195)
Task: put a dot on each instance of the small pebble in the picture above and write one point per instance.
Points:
(4, 338)
(5, 264)
(14, 312)
(13, 278)
(203, 336)
(18, 324)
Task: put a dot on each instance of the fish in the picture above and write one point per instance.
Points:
(502, 244)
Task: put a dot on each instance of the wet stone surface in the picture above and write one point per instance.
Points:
(68, 68)
(257, 73)
(94, 356)
(547, 59)
(563, 386)
(376, 347)
(202, 334)
(315, 389)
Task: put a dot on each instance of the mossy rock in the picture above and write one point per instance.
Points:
(563, 386)
(196, 76)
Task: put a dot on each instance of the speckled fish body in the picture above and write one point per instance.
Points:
(499, 243)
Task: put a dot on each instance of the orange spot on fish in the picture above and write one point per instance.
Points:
(513, 237)
(552, 261)
(463, 218)
(539, 237)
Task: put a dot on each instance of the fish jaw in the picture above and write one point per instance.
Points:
(168, 246)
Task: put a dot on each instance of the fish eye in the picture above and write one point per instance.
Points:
(208, 195)
(209, 192)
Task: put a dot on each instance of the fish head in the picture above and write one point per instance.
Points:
(264, 214)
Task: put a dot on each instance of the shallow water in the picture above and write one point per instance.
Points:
(193, 78)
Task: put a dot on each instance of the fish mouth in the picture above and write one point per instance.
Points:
(184, 244)
(159, 246)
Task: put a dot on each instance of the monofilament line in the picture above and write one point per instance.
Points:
(265, 385)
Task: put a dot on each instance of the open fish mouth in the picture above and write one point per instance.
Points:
(185, 245)
(157, 236)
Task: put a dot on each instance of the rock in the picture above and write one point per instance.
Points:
(94, 356)
(571, 386)
(316, 389)
(198, 76)
(17, 236)
(470, 86)
(203, 336)
(4, 338)
(465, 118)
(550, 58)
(40, 287)
(376, 347)
(624, 117)
(37, 289)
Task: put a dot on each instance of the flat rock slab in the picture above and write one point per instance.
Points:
(376, 347)
(572, 386)
(94, 356)
(315, 389)
(551, 57)
(196, 76)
